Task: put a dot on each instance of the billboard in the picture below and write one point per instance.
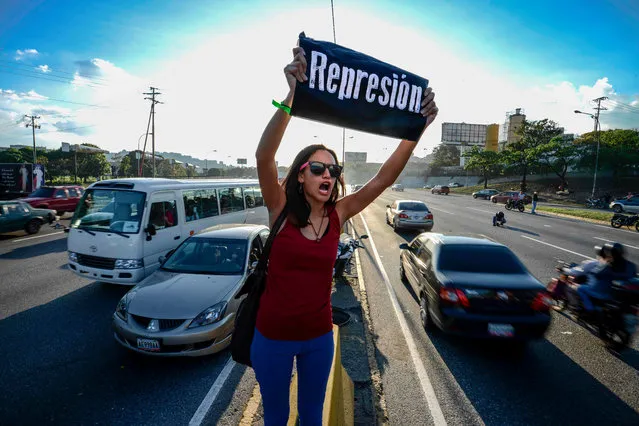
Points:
(241, 161)
(21, 178)
(464, 134)
(355, 157)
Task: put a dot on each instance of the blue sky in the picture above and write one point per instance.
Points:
(486, 58)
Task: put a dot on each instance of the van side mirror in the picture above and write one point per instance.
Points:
(404, 246)
(150, 231)
(363, 237)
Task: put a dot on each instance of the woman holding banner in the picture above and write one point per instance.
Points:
(294, 319)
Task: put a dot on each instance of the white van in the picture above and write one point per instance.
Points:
(122, 226)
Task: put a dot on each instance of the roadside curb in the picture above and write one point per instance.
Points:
(581, 219)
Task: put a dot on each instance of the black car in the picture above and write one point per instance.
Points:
(474, 287)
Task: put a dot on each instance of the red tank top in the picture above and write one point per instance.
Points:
(296, 303)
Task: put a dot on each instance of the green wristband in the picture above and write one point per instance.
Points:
(285, 108)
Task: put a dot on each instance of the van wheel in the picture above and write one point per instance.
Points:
(33, 226)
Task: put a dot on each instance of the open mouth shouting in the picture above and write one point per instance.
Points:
(325, 188)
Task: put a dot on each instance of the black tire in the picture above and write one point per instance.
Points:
(424, 316)
(402, 273)
(637, 226)
(521, 208)
(616, 223)
(387, 221)
(494, 201)
(430, 228)
(617, 208)
(508, 206)
(474, 195)
(33, 226)
(395, 228)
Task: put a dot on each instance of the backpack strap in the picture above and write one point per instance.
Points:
(262, 263)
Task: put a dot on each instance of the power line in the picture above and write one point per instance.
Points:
(31, 98)
(39, 77)
(50, 72)
(624, 107)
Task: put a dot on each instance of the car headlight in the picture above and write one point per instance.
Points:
(73, 257)
(129, 263)
(123, 305)
(209, 316)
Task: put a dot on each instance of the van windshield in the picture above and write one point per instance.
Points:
(110, 210)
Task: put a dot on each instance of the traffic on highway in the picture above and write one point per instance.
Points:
(464, 340)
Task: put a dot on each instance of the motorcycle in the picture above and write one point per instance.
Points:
(596, 203)
(620, 219)
(345, 249)
(512, 204)
(614, 320)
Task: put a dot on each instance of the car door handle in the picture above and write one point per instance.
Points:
(177, 237)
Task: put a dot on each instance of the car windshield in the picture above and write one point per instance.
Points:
(42, 193)
(483, 259)
(213, 256)
(110, 210)
(416, 207)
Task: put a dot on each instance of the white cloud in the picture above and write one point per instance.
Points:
(27, 53)
(44, 68)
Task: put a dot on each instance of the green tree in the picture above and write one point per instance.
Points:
(558, 155)
(618, 152)
(92, 164)
(521, 156)
(126, 168)
(488, 163)
(12, 155)
(215, 172)
(59, 164)
(445, 156)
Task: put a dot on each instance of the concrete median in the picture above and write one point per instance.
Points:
(339, 401)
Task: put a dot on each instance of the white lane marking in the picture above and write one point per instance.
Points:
(38, 236)
(610, 227)
(209, 399)
(427, 387)
(547, 226)
(479, 210)
(442, 210)
(557, 247)
(611, 241)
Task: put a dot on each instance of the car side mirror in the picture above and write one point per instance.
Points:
(162, 259)
(404, 246)
(363, 237)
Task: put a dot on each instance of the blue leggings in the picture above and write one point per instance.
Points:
(273, 364)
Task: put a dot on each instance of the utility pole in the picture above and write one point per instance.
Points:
(153, 94)
(33, 126)
(599, 108)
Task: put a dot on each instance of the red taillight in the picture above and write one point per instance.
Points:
(542, 302)
(428, 216)
(454, 296)
(403, 216)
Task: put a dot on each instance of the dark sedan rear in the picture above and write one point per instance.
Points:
(474, 287)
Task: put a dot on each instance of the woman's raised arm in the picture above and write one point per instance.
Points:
(273, 193)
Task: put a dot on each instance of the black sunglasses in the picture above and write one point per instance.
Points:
(317, 168)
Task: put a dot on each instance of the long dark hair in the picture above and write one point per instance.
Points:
(298, 207)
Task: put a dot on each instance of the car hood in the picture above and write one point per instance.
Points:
(180, 296)
(507, 281)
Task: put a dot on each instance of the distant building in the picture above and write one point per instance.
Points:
(514, 121)
(465, 136)
(355, 157)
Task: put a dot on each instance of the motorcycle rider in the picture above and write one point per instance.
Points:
(614, 267)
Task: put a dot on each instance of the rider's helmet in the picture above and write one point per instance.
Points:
(600, 252)
(614, 250)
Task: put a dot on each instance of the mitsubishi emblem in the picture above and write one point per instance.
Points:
(154, 325)
(502, 295)
(93, 248)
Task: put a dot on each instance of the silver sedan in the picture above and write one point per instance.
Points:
(188, 306)
(411, 214)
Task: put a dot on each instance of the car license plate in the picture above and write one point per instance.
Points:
(149, 345)
(501, 330)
